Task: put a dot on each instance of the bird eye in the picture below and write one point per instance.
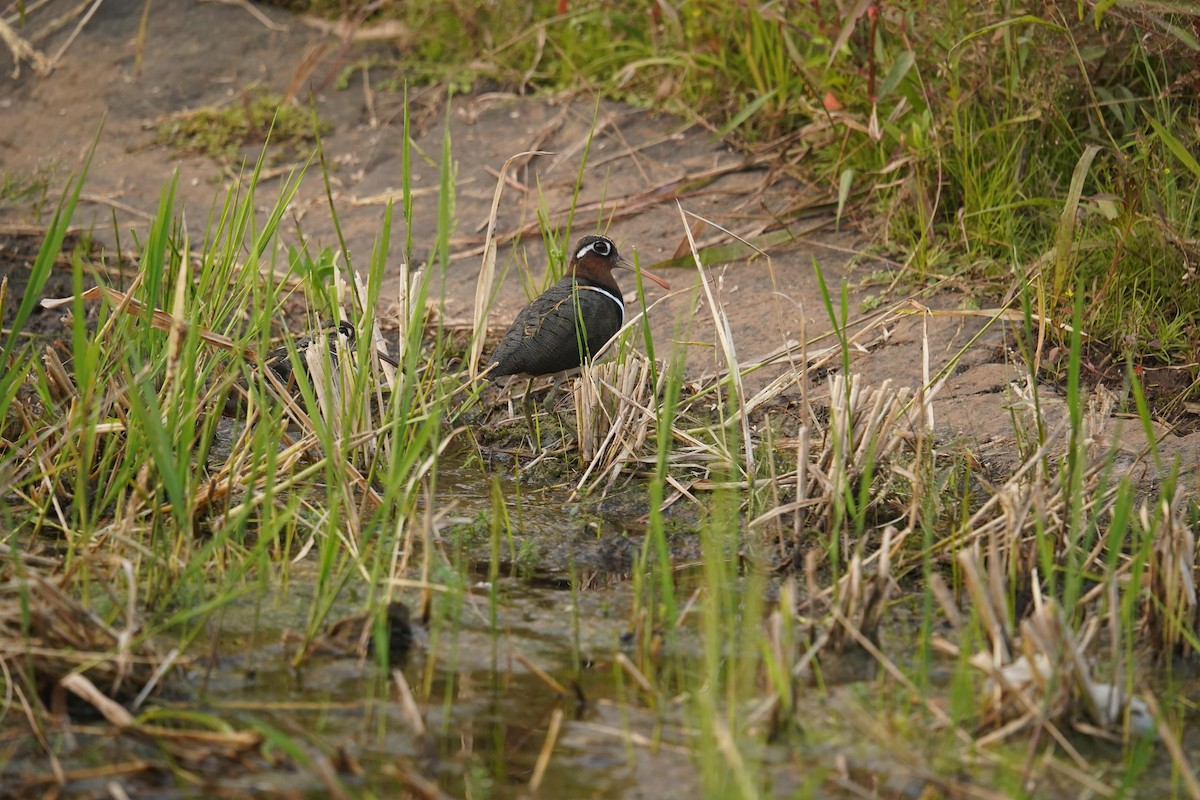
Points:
(598, 245)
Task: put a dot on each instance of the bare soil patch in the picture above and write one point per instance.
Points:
(18, 250)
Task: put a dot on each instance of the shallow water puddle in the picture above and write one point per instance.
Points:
(469, 707)
(486, 713)
(485, 710)
(563, 604)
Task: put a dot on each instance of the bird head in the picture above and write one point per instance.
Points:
(346, 331)
(595, 258)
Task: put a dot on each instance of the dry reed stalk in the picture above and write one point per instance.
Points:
(1035, 502)
(43, 626)
(866, 429)
(1171, 741)
(124, 301)
(614, 413)
(872, 330)
(613, 208)
(859, 598)
(1170, 616)
(725, 338)
(635, 674)
(546, 678)
(543, 759)
(22, 50)
(852, 614)
(487, 270)
(62, 388)
(1041, 678)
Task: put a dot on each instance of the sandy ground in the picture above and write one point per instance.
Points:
(642, 168)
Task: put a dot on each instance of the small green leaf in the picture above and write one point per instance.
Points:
(750, 110)
(986, 30)
(1183, 35)
(844, 183)
(852, 18)
(1066, 220)
(1102, 8)
(896, 74)
(1175, 146)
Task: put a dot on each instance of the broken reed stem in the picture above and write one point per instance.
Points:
(543, 760)
(487, 270)
(725, 337)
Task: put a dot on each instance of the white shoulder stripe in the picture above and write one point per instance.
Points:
(620, 303)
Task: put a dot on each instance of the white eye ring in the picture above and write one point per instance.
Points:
(601, 248)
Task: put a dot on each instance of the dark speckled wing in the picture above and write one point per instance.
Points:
(546, 336)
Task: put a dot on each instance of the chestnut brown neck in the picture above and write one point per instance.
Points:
(594, 270)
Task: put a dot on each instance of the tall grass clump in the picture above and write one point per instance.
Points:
(156, 452)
